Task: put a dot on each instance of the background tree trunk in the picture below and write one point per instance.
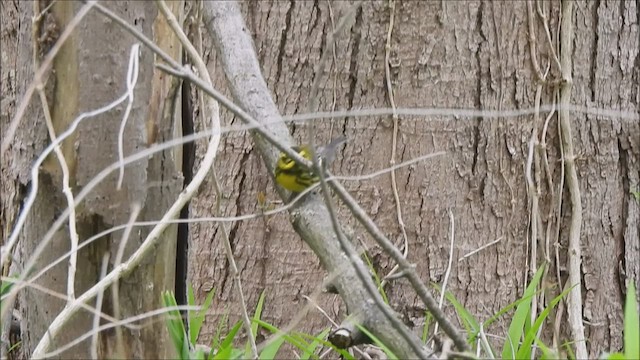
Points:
(471, 55)
(88, 73)
(444, 55)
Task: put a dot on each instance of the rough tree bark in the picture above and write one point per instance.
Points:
(89, 72)
(448, 55)
(442, 54)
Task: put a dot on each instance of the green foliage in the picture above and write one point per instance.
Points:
(224, 349)
(521, 334)
(631, 325)
(305, 343)
(5, 288)
(468, 320)
(376, 277)
(636, 194)
(531, 333)
(183, 343)
(631, 328)
(175, 326)
(387, 351)
(254, 324)
(521, 337)
(196, 320)
(220, 329)
(428, 319)
(547, 353)
(521, 318)
(316, 341)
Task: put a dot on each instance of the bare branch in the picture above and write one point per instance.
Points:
(311, 218)
(574, 309)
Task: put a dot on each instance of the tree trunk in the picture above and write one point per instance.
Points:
(469, 55)
(503, 178)
(89, 72)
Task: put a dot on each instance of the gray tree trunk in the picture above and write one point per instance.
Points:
(88, 73)
(471, 55)
(442, 55)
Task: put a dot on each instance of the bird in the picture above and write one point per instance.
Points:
(295, 177)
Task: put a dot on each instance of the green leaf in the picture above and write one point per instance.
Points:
(5, 288)
(631, 324)
(310, 350)
(525, 350)
(197, 319)
(191, 297)
(175, 326)
(615, 356)
(223, 353)
(228, 340)
(219, 330)
(377, 341)
(469, 322)
(296, 341)
(345, 354)
(254, 324)
(569, 349)
(428, 318)
(547, 353)
(14, 347)
(516, 328)
(376, 278)
(272, 348)
(198, 355)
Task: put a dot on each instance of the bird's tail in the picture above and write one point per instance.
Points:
(328, 152)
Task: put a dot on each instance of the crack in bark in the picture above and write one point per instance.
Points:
(283, 41)
(594, 61)
(353, 65)
(188, 159)
(478, 94)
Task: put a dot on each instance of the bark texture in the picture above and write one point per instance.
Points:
(446, 55)
(90, 72)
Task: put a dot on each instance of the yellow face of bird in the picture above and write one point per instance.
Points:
(292, 176)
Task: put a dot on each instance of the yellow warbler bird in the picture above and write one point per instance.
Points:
(294, 177)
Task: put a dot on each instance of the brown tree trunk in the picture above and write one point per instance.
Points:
(470, 55)
(491, 56)
(88, 73)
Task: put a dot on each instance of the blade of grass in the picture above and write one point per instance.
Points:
(309, 351)
(547, 352)
(218, 335)
(197, 319)
(376, 278)
(345, 354)
(469, 322)
(254, 324)
(428, 318)
(631, 324)
(295, 341)
(525, 350)
(224, 351)
(516, 328)
(271, 350)
(175, 326)
(379, 343)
